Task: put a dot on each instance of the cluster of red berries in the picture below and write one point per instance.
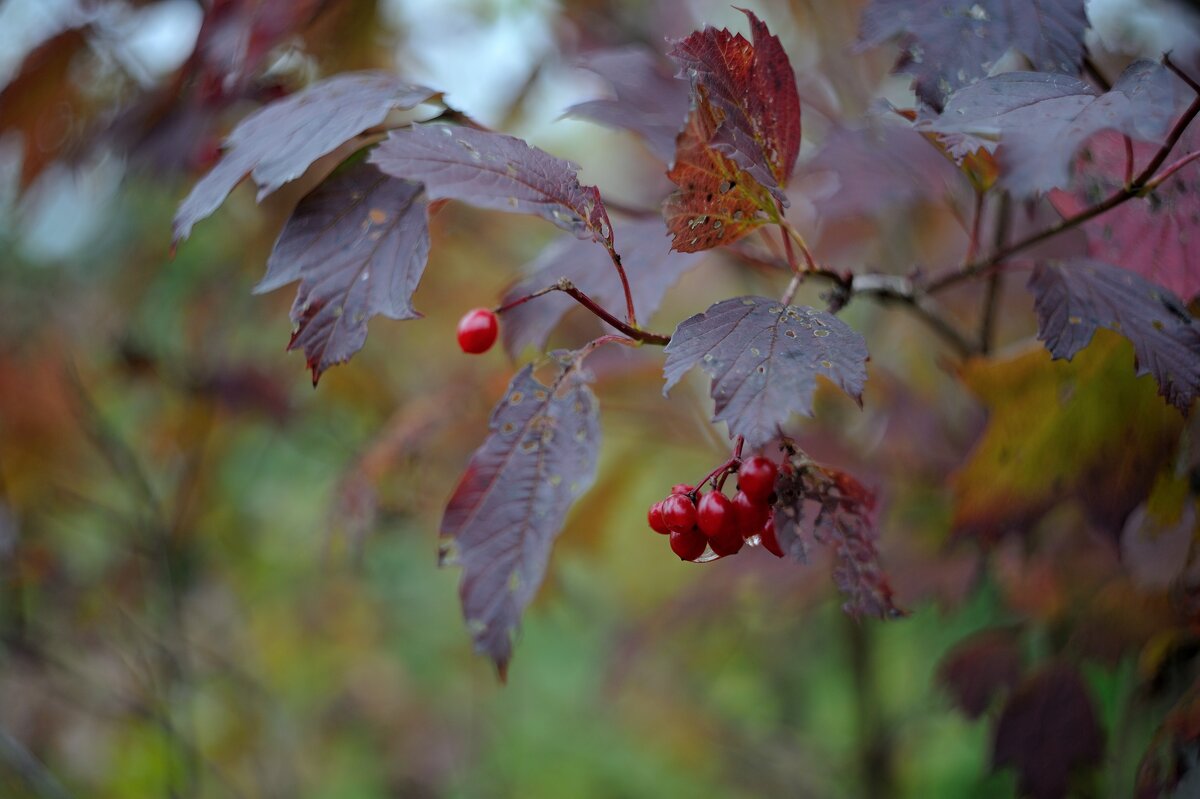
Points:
(698, 521)
(477, 331)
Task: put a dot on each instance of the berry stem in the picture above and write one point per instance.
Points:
(568, 288)
(724, 469)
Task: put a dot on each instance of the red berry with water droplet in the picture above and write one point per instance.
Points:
(688, 544)
(751, 516)
(679, 513)
(477, 331)
(768, 539)
(756, 478)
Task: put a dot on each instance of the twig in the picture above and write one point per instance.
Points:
(987, 323)
(29, 769)
(568, 288)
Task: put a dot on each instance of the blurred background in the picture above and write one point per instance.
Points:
(216, 581)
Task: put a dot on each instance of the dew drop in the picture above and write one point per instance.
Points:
(827, 364)
(790, 333)
(515, 398)
(821, 332)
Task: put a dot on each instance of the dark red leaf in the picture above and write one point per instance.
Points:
(752, 89)
(1073, 298)
(358, 245)
(1041, 120)
(512, 500)
(816, 505)
(1048, 730)
(764, 359)
(1171, 765)
(648, 100)
(492, 170)
(277, 143)
(981, 668)
(1150, 235)
(650, 264)
(948, 44)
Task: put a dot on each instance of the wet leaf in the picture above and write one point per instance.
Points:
(1150, 235)
(510, 503)
(752, 91)
(495, 171)
(1073, 298)
(650, 264)
(277, 143)
(1041, 120)
(948, 44)
(358, 245)
(764, 359)
(981, 668)
(648, 101)
(1047, 731)
(1087, 429)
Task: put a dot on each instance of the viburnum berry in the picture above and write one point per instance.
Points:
(655, 517)
(688, 544)
(751, 516)
(682, 488)
(756, 478)
(768, 539)
(727, 542)
(477, 331)
(679, 513)
(715, 514)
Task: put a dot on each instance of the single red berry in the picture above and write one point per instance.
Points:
(727, 542)
(768, 539)
(477, 331)
(715, 514)
(751, 515)
(756, 478)
(682, 488)
(679, 513)
(655, 517)
(688, 544)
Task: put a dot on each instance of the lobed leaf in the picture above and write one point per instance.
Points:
(277, 143)
(511, 501)
(358, 245)
(1149, 235)
(752, 91)
(764, 359)
(648, 102)
(650, 264)
(948, 44)
(495, 171)
(1073, 298)
(1041, 120)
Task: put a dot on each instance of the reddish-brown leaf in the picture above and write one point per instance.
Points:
(981, 668)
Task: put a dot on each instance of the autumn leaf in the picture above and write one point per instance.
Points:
(948, 44)
(1087, 429)
(358, 245)
(981, 668)
(764, 359)
(1073, 298)
(277, 143)
(511, 501)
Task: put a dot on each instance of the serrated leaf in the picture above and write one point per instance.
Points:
(648, 102)
(752, 90)
(1073, 298)
(511, 501)
(277, 143)
(1041, 120)
(948, 44)
(495, 171)
(358, 245)
(1152, 235)
(817, 505)
(1048, 730)
(650, 264)
(1087, 430)
(764, 359)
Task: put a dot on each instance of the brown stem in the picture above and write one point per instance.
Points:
(973, 245)
(615, 257)
(568, 288)
(987, 323)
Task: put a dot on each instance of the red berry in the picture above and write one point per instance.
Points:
(655, 517)
(679, 513)
(768, 539)
(715, 514)
(477, 331)
(756, 478)
(688, 544)
(682, 488)
(751, 515)
(727, 542)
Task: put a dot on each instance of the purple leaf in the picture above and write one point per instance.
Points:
(948, 44)
(981, 668)
(358, 245)
(764, 359)
(651, 265)
(491, 170)
(277, 143)
(1047, 730)
(649, 101)
(1041, 120)
(1073, 298)
(512, 499)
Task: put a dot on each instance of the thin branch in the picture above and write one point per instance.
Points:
(568, 288)
(987, 323)
(977, 217)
